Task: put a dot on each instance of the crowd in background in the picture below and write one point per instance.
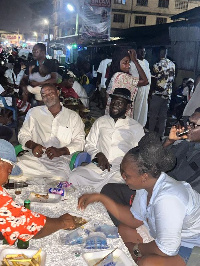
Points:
(137, 174)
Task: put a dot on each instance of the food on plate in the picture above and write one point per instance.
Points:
(79, 221)
(40, 196)
(22, 260)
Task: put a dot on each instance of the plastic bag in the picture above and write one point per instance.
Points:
(76, 237)
(110, 231)
(96, 240)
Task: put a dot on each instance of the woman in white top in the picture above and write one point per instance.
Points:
(163, 224)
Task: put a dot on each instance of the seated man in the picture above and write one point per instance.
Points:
(18, 222)
(110, 137)
(14, 75)
(40, 71)
(70, 88)
(51, 133)
(187, 167)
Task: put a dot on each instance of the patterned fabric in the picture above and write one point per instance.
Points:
(69, 93)
(17, 221)
(123, 80)
(164, 72)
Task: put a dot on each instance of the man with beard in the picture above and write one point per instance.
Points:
(50, 133)
(110, 137)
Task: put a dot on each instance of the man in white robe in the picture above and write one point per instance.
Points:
(110, 137)
(141, 100)
(51, 133)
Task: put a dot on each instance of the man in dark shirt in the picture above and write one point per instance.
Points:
(39, 71)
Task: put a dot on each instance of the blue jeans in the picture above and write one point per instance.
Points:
(185, 253)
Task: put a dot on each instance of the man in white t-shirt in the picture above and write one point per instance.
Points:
(141, 100)
(102, 73)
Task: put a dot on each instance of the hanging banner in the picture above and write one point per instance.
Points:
(96, 19)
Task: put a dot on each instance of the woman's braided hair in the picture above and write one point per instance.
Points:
(151, 157)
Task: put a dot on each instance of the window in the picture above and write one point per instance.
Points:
(142, 2)
(160, 20)
(122, 2)
(140, 20)
(181, 5)
(119, 18)
(163, 3)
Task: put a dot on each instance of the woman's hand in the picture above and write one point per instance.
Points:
(133, 55)
(68, 221)
(87, 199)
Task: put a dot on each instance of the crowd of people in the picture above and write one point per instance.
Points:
(148, 182)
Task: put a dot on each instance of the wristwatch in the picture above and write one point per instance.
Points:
(136, 251)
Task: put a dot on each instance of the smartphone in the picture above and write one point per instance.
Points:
(180, 134)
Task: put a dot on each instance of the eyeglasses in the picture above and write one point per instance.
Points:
(192, 125)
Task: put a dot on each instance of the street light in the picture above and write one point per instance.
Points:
(72, 9)
(46, 22)
(36, 35)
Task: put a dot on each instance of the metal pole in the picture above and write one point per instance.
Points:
(48, 40)
(77, 22)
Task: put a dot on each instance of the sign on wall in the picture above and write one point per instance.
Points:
(96, 19)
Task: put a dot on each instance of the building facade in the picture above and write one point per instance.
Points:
(125, 14)
(134, 13)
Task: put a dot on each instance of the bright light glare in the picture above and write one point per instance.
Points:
(35, 33)
(46, 22)
(70, 7)
(69, 47)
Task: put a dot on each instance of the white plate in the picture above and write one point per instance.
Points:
(119, 256)
(28, 252)
(52, 198)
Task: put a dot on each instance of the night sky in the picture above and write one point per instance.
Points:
(15, 14)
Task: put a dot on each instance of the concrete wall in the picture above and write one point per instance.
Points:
(151, 11)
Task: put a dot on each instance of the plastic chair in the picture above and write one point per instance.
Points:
(13, 108)
(78, 158)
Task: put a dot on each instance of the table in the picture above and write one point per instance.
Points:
(57, 253)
